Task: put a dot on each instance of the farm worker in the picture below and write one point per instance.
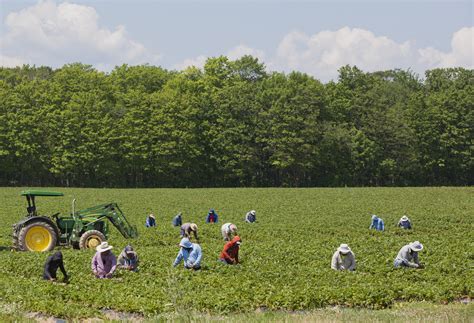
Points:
(104, 262)
(251, 217)
(177, 221)
(408, 255)
(128, 259)
(187, 229)
(211, 216)
(404, 222)
(377, 223)
(230, 253)
(343, 258)
(228, 230)
(150, 221)
(190, 253)
(51, 267)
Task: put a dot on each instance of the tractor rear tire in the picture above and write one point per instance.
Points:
(91, 239)
(37, 236)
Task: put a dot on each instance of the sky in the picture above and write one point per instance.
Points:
(315, 37)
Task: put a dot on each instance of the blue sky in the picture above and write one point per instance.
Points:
(316, 37)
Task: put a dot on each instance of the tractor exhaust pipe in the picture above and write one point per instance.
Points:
(73, 207)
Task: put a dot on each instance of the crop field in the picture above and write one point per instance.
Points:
(285, 256)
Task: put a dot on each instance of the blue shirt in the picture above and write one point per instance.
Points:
(150, 222)
(377, 224)
(192, 257)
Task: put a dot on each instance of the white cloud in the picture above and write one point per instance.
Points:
(461, 54)
(54, 34)
(322, 54)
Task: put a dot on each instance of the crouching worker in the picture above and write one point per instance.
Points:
(343, 258)
(404, 222)
(51, 267)
(128, 259)
(104, 262)
(228, 230)
(177, 220)
(408, 256)
(212, 216)
(187, 229)
(377, 223)
(190, 253)
(251, 216)
(150, 221)
(230, 253)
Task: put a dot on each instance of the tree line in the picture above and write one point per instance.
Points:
(234, 124)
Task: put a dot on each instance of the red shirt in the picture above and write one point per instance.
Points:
(231, 251)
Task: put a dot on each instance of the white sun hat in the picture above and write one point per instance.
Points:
(416, 246)
(404, 218)
(104, 246)
(253, 212)
(344, 248)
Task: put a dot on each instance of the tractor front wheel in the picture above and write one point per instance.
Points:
(91, 239)
(37, 236)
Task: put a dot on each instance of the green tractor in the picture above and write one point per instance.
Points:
(82, 229)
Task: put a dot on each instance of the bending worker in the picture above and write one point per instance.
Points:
(377, 223)
(408, 256)
(187, 229)
(404, 222)
(343, 258)
(51, 267)
(104, 262)
(190, 253)
(128, 259)
(228, 230)
(177, 220)
(212, 216)
(251, 217)
(230, 253)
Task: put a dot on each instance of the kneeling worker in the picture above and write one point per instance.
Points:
(343, 258)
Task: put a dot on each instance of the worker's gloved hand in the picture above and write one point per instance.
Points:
(52, 279)
(109, 275)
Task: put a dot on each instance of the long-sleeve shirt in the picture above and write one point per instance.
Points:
(377, 224)
(186, 231)
(125, 260)
(177, 221)
(51, 266)
(192, 257)
(408, 257)
(103, 264)
(150, 222)
(404, 224)
(212, 217)
(230, 253)
(343, 262)
(250, 218)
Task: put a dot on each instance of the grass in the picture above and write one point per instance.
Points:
(285, 256)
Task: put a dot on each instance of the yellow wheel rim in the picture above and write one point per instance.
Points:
(38, 238)
(92, 242)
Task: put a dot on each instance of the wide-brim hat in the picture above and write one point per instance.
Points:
(104, 246)
(253, 212)
(152, 216)
(185, 243)
(404, 218)
(374, 216)
(344, 248)
(193, 227)
(416, 246)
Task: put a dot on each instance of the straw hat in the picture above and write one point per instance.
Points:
(344, 249)
(185, 243)
(416, 246)
(104, 246)
(152, 215)
(193, 227)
